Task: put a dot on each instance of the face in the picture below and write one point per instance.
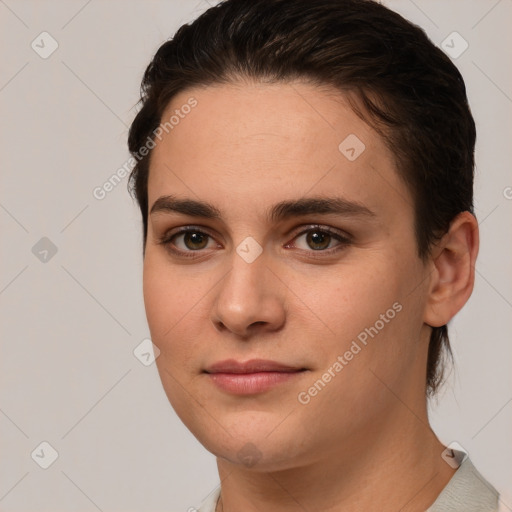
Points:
(281, 278)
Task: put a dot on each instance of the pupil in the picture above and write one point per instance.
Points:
(194, 239)
(316, 238)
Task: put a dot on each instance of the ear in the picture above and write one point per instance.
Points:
(453, 275)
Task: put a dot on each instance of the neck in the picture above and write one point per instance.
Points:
(402, 469)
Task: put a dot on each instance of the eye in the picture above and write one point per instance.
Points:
(320, 239)
(186, 240)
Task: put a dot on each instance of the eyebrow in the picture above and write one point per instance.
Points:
(278, 212)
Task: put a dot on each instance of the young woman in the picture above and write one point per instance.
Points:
(305, 176)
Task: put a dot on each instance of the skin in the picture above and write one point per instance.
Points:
(364, 441)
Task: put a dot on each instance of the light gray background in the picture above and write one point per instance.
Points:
(70, 324)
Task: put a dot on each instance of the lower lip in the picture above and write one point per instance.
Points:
(251, 383)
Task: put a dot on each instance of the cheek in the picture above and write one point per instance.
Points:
(159, 301)
(373, 319)
(355, 296)
(168, 294)
(369, 305)
(166, 302)
(175, 302)
(176, 321)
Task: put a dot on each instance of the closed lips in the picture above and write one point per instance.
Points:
(252, 366)
(251, 377)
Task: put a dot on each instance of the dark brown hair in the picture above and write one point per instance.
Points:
(403, 85)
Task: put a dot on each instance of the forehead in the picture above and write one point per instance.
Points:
(262, 143)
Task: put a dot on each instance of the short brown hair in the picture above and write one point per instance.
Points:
(406, 88)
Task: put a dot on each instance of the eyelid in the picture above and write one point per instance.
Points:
(325, 229)
(343, 239)
(171, 233)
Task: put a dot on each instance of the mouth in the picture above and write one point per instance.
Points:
(251, 377)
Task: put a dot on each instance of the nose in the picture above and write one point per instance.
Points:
(249, 300)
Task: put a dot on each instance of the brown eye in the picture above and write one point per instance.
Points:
(195, 240)
(318, 240)
(186, 242)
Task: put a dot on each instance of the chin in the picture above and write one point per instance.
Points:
(260, 448)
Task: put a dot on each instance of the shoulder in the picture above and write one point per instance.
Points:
(467, 491)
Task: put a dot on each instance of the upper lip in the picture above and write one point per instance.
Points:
(251, 366)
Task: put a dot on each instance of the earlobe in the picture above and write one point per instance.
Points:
(453, 272)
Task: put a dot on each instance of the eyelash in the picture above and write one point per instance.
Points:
(166, 240)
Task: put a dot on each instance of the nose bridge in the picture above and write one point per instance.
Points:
(249, 294)
(248, 266)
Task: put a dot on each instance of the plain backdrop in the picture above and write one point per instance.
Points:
(71, 303)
